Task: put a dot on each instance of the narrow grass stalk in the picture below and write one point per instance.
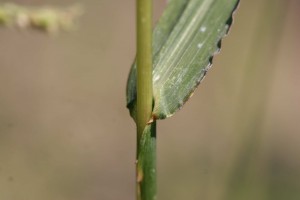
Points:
(144, 63)
(146, 133)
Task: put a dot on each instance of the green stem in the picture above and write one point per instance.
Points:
(146, 133)
(144, 63)
(146, 164)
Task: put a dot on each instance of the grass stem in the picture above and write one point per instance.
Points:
(146, 133)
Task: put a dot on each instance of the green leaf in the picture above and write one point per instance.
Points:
(186, 38)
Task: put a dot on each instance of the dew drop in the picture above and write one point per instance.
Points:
(156, 78)
(203, 29)
(199, 45)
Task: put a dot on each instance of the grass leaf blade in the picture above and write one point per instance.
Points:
(183, 51)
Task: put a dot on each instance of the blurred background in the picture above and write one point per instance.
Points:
(65, 132)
